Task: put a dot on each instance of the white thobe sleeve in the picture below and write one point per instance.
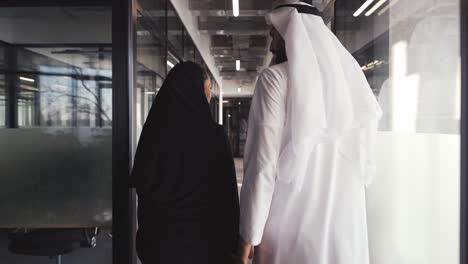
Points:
(266, 121)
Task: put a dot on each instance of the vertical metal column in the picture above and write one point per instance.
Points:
(464, 134)
(123, 79)
(11, 83)
(74, 101)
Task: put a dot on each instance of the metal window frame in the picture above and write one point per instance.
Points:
(124, 21)
(464, 134)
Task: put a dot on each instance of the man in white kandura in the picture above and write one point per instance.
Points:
(308, 156)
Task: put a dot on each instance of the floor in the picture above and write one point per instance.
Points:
(239, 171)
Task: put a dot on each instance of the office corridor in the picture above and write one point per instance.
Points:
(239, 171)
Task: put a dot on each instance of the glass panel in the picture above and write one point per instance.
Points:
(56, 167)
(175, 32)
(410, 53)
(151, 57)
(64, 87)
(236, 115)
(171, 60)
(3, 90)
(3, 100)
(189, 47)
(198, 58)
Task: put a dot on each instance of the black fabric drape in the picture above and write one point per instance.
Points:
(188, 208)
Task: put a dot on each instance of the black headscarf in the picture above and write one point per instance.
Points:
(185, 177)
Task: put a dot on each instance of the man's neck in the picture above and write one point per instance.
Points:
(280, 57)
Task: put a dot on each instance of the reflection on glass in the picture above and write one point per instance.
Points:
(56, 165)
(3, 90)
(172, 60)
(3, 100)
(55, 170)
(151, 57)
(410, 53)
(189, 48)
(64, 87)
(175, 32)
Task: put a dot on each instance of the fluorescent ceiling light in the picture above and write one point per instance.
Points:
(363, 7)
(235, 8)
(237, 65)
(239, 90)
(170, 64)
(225, 101)
(386, 8)
(150, 92)
(26, 79)
(375, 7)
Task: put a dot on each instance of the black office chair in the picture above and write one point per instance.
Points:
(53, 243)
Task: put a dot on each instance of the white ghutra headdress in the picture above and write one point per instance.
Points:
(328, 94)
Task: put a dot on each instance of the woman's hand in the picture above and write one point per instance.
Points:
(246, 251)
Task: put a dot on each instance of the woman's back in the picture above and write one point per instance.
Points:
(187, 191)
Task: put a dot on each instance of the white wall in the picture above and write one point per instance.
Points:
(413, 203)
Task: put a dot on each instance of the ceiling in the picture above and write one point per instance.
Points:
(244, 38)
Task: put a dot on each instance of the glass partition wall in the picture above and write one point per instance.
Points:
(56, 120)
(162, 42)
(3, 90)
(410, 52)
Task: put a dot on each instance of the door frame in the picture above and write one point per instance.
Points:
(124, 19)
(464, 134)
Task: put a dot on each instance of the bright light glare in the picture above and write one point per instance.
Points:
(237, 65)
(363, 7)
(170, 64)
(375, 7)
(235, 8)
(26, 79)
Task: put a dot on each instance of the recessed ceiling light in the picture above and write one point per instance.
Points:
(26, 79)
(375, 7)
(235, 8)
(363, 7)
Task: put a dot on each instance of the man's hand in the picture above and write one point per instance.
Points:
(246, 251)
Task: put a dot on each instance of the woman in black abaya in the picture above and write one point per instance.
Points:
(188, 209)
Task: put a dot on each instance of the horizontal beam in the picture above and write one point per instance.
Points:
(243, 74)
(228, 13)
(240, 78)
(227, 5)
(229, 50)
(235, 32)
(247, 60)
(233, 25)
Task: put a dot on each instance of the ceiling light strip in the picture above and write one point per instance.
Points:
(363, 7)
(375, 7)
